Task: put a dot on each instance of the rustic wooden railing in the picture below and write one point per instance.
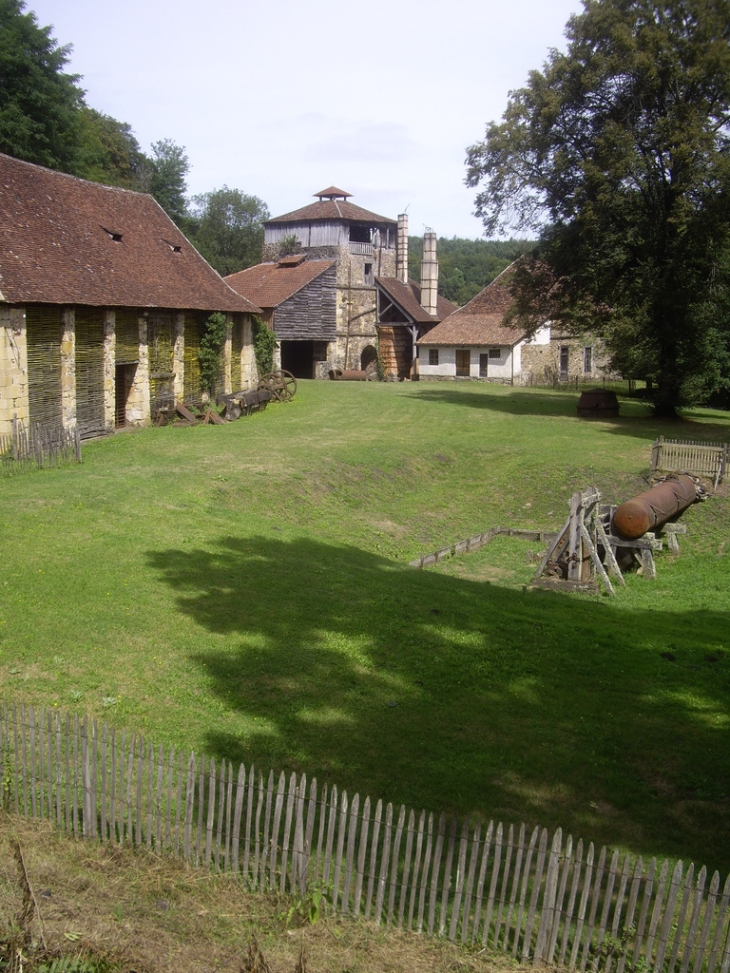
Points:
(687, 456)
(38, 447)
(543, 900)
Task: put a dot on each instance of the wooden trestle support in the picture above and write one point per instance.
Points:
(586, 551)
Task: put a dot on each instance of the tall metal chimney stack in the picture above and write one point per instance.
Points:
(429, 274)
(401, 249)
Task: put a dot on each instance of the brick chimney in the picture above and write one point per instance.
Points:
(401, 249)
(429, 274)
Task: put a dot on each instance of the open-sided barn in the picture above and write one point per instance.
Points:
(102, 305)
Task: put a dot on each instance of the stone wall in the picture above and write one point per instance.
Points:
(355, 297)
(13, 368)
(68, 369)
(541, 362)
(109, 366)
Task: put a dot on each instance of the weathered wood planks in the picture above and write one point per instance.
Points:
(541, 899)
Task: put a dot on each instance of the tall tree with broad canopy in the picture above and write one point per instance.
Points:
(170, 166)
(617, 154)
(227, 228)
(39, 101)
(108, 152)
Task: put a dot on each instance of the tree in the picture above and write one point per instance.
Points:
(618, 154)
(109, 153)
(228, 229)
(465, 266)
(169, 167)
(39, 101)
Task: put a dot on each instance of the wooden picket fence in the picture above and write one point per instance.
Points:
(688, 456)
(539, 899)
(38, 447)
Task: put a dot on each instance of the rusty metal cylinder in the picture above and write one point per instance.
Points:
(654, 507)
(348, 375)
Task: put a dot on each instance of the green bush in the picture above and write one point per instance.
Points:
(209, 355)
(264, 343)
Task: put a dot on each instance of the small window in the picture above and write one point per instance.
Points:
(588, 359)
(175, 247)
(368, 274)
(564, 361)
(360, 234)
(113, 235)
(495, 352)
(433, 356)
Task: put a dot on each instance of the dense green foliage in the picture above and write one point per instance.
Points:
(244, 590)
(39, 101)
(108, 152)
(212, 341)
(465, 266)
(264, 343)
(618, 152)
(170, 166)
(226, 227)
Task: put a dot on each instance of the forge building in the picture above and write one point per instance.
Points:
(328, 270)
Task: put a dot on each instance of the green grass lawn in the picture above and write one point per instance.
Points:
(244, 590)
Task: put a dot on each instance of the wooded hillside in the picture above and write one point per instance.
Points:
(465, 266)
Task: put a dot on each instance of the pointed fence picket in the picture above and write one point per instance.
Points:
(541, 899)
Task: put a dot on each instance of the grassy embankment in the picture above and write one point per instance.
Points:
(244, 590)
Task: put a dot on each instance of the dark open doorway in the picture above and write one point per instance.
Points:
(299, 357)
(124, 375)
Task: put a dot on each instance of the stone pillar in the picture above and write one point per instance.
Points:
(178, 358)
(138, 404)
(68, 368)
(13, 369)
(227, 351)
(429, 274)
(249, 372)
(110, 375)
(401, 249)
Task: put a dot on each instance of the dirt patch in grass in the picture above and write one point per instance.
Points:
(145, 914)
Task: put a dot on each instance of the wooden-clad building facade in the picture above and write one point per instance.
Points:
(298, 302)
(102, 304)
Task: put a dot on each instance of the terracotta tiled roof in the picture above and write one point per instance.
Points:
(331, 209)
(68, 241)
(408, 298)
(269, 284)
(333, 191)
(481, 321)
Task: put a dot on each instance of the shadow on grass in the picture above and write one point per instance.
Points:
(445, 693)
(635, 418)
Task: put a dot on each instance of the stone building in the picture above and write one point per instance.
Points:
(102, 305)
(478, 341)
(362, 246)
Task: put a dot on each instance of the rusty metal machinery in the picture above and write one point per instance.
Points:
(655, 507)
(348, 375)
(281, 384)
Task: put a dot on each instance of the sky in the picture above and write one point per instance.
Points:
(281, 98)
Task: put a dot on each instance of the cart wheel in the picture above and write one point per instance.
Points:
(281, 384)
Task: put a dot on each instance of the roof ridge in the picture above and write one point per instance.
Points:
(87, 182)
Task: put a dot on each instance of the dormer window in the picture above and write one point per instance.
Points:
(175, 247)
(113, 235)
